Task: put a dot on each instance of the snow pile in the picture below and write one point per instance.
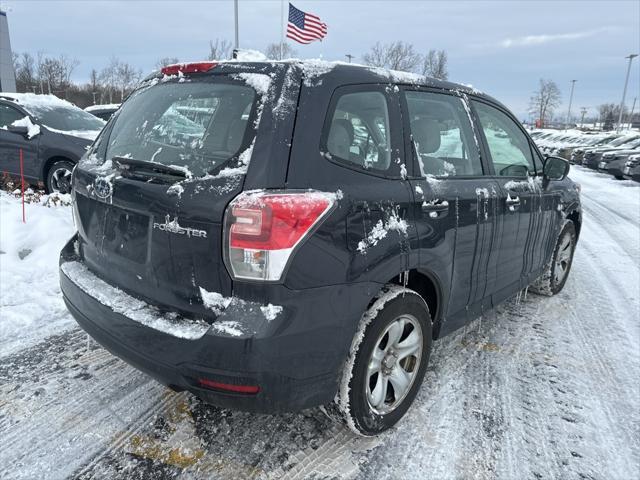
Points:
(381, 229)
(31, 306)
(270, 311)
(57, 199)
(250, 56)
(132, 308)
(218, 303)
(215, 301)
(32, 129)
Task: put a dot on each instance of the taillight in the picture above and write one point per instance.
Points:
(194, 67)
(263, 229)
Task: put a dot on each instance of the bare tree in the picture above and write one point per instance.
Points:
(545, 100)
(219, 49)
(26, 74)
(609, 112)
(163, 62)
(126, 78)
(273, 51)
(56, 72)
(108, 79)
(395, 55)
(434, 64)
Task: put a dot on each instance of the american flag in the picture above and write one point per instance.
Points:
(304, 27)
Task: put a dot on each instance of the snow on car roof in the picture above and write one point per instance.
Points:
(36, 100)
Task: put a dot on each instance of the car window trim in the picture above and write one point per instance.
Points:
(17, 110)
(498, 107)
(415, 167)
(395, 136)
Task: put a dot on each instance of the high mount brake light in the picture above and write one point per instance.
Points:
(263, 229)
(187, 68)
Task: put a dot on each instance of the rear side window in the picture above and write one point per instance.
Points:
(8, 115)
(442, 135)
(509, 146)
(358, 132)
(199, 125)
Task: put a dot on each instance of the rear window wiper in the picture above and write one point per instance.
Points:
(147, 168)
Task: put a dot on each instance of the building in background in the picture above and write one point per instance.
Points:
(7, 74)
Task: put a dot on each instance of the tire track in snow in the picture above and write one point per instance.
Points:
(57, 420)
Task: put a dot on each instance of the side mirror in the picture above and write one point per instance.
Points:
(20, 130)
(555, 168)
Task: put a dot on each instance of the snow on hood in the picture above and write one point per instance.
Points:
(84, 134)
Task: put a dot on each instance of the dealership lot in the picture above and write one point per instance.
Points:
(541, 387)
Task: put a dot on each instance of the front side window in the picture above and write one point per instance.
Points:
(199, 125)
(442, 135)
(508, 145)
(358, 132)
(8, 115)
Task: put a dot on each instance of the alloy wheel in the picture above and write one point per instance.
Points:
(393, 364)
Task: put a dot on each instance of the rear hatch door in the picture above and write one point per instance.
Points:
(150, 196)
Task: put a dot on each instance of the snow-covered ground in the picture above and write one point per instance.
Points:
(541, 388)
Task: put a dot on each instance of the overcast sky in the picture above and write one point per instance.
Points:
(501, 47)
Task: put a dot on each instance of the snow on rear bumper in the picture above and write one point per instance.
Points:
(295, 359)
(130, 307)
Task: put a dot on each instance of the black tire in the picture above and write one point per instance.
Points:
(394, 304)
(59, 177)
(619, 177)
(551, 281)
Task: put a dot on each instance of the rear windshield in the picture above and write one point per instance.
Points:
(199, 125)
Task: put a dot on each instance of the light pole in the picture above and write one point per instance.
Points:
(235, 12)
(633, 107)
(573, 84)
(583, 111)
(624, 92)
(349, 57)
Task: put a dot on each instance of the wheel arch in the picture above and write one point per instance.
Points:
(428, 286)
(576, 217)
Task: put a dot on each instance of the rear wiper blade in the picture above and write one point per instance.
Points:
(148, 167)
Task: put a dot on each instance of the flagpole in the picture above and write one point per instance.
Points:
(281, 28)
(235, 9)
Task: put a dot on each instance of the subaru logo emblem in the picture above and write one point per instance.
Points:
(102, 188)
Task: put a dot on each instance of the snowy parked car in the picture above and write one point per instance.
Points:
(307, 245)
(631, 168)
(593, 156)
(616, 155)
(53, 134)
(103, 112)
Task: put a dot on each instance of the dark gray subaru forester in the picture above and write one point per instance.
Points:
(278, 236)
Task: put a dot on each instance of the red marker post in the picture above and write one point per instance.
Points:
(24, 219)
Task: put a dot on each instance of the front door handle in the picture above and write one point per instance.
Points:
(435, 208)
(512, 202)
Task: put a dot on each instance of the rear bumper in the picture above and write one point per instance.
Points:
(295, 359)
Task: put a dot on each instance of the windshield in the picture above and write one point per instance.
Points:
(198, 125)
(66, 119)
